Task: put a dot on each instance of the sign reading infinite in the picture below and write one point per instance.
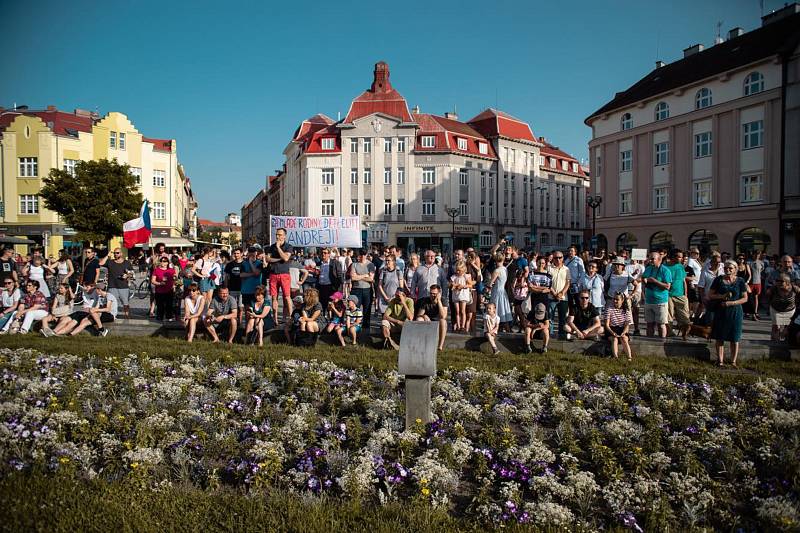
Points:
(318, 231)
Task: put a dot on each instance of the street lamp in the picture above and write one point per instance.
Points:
(536, 189)
(452, 212)
(594, 202)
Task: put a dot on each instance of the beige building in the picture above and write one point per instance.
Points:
(33, 142)
(691, 154)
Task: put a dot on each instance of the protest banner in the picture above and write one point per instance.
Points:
(639, 254)
(318, 232)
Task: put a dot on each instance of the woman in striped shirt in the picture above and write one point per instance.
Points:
(616, 320)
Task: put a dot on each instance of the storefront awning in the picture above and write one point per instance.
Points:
(16, 240)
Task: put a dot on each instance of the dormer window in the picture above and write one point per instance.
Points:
(428, 141)
(552, 162)
(462, 144)
(328, 143)
(483, 148)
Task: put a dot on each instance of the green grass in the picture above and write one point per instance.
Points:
(558, 364)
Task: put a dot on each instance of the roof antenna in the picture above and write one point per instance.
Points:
(658, 44)
(761, 5)
(718, 39)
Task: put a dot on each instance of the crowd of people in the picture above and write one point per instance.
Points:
(565, 294)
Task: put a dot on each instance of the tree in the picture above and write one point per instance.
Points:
(96, 200)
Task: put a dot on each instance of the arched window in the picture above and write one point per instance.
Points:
(702, 98)
(705, 241)
(602, 242)
(753, 83)
(626, 241)
(661, 240)
(626, 121)
(752, 239)
(662, 111)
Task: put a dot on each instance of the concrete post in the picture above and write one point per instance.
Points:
(417, 361)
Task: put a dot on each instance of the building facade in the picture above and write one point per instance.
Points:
(254, 217)
(691, 155)
(33, 142)
(427, 181)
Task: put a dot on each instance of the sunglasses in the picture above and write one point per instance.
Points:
(8, 283)
(584, 297)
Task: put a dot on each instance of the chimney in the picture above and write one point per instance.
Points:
(415, 110)
(692, 50)
(660, 64)
(735, 32)
(786, 11)
(51, 108)
(542, 140)
(451, 115)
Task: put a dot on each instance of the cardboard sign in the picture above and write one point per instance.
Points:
(639, 254)
(319, 232)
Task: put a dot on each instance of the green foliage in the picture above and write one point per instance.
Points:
(96, 201)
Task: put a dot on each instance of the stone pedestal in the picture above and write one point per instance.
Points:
(417, 361)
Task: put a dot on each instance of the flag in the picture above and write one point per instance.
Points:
(138, 230)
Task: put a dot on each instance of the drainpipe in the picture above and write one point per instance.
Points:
(782, 209)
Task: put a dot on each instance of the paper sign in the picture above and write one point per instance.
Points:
(639, 254)
(319, 232)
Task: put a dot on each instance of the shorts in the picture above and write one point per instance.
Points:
(756, 289)
(392, 327)
(282, 281)
(106, 318)
(343, 328)
(656, 313)
(616, 329)
(225, 324)
(123, 295)
(207, 284)
(679, 310)
(77, 316)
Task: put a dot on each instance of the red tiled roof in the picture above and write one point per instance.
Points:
(380, 98)
(314, 123)
(162, 145)
(495, 123)
(548, 151)
(447, 131)
(58, 121)
(312, 141)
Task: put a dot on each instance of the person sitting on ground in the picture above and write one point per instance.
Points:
(60, 310)
(399, 309)
(103, 311)
(9, 301)
(32, 306)
(537, 321)
(584, 321)
(782, 303)
(353, 317)
(336, 309)
(430, 308)
(311, 318)
(87, 301)
(222, 315)
(491, 326)
(617, 320)
(194, 306)
(258, 314)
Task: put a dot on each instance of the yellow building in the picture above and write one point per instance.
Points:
(33, 142)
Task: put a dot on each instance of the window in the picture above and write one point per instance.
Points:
(702, 193)
(28, 204)
(159, 178)
(625, 202)
(367, 208)
(702, 144)
(401, 206)
(428, 175)
(401, 145)
(387, 207)
(754, 83)
(428, 141)
(367, 146)
(662, 111)
(483, 210)
(121, 141)
(462, 209)
(660, 198)
(328, 143)
(353, 146)
(428, 207)
(702, 98)
(387, 144)
(353, 176)
(483, 148)
(401, 176)
(752, 187)
(28, 167)
(327, 208)
(112, 139)
(387, 176)
(69, 166)
(662, 154)
(575, 168)
(463, 177)
(564, 165)
(136, 172)
(753, 134)
(625, 161)
(159, 210)
(462, 144)
(626, 122)
(327, 176)
(354, 208)
(367, 176)
(552, 162)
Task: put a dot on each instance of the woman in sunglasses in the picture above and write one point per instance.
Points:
(727, 294)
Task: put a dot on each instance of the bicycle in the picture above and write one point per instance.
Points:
(142, 290)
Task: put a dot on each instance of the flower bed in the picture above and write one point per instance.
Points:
(637, 450)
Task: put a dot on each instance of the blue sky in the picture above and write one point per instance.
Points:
(231, 81)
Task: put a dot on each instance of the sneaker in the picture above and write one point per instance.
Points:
(495, 351)
(47, 332)
(569, 336)
(528, 348)
(544, 349)
(103, 332)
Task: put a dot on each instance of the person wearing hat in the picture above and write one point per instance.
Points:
(619, 281)
(399, 309)
(538, 320)
(353, 316)
(336, 308)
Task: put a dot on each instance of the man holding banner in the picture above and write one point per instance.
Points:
(280, 257)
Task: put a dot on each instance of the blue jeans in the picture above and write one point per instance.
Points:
(365, 301)
(562, 307)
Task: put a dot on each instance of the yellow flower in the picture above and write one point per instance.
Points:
(426, 492)
(423, 481)
(134, 466)
(63, 460)
(418, 421)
